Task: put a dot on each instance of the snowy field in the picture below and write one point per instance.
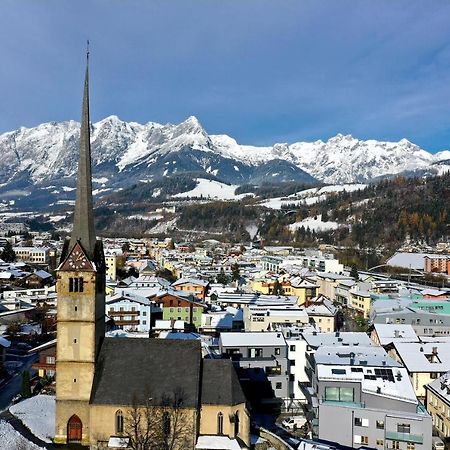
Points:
(10, 439)
(315, 224)
(38, 415)
(310, 196)
(212, 189)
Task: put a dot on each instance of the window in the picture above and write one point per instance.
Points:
(380, 424)
(364, 439)
(144, 322)
(119, 422)
(273, 370)
(395, 445)
(277, 351)
(403, 428)
(339, 394)
(220, 423)
(144, 313)
(50, 360)
(255, 352)
(358, 422)
(279, 385)
(410, 446)
(292, 361)
(76, 284)
(380, 442)
(76, 308)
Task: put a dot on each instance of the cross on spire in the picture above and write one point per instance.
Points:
(83, 220)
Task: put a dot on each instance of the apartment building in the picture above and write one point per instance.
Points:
(437, 401)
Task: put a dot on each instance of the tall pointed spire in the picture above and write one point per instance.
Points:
(83, 220)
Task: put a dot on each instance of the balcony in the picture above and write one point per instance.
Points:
(123, 313)
(357, 405)
(404, 437)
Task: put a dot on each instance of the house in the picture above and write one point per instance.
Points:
(130, 312)
(194, 285)
(38, 279)
(177, 305)
(424, 361)
(304, 289)
(46, 365)
(323, 313)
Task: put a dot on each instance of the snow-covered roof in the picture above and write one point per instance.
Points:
(430, 357)
(217, 443)
(259, 339)
(316, 340)
(388, 333)
(194, 281)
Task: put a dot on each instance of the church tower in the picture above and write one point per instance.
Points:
(81, 303)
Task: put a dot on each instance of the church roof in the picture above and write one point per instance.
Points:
(220, 383)
(134, 370)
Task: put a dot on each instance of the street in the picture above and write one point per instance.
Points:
(14, 386)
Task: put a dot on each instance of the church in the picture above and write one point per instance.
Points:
(127, 392)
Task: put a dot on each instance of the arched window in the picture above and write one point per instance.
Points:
(220, 423)
(119, 422)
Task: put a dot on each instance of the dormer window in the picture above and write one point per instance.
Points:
(76, 284)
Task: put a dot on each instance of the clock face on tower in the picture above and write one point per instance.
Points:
(77, 260)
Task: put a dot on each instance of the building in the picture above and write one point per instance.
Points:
(365, 398)
(46, 365)
(437, 264)
(323, 313)
(193, 285)
(437, 402)
(262, 359)
(266, 318)
(130, 312)
(102, 380)
(33, 255)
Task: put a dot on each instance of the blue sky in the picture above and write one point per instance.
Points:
(261, 71)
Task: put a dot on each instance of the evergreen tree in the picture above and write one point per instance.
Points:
(235, 273)
(354, 273)
(222, 278)
(26, 384)
(8, 254)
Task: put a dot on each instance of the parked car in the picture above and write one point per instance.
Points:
(294, 422)
(438, 444)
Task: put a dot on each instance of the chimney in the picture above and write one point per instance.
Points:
(434, 350)
(396, 334)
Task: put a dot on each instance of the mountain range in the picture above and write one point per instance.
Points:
(42, 160)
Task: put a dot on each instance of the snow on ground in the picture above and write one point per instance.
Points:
(99, 191)
(101, 180)
(315, 223)
(38, 414)
(212, 189)
(310, 196)
(11, 439)
(56, 218)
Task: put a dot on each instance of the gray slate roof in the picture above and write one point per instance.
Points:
(133, 370)
(220, 383)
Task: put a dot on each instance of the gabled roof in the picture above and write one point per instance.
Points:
(220, 383)
(194, 281)
(134, 370)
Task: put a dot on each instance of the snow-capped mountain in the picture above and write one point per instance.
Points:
(125, 153)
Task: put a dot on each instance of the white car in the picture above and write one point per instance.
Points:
(294, 422)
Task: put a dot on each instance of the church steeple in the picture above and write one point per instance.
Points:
(83, 220)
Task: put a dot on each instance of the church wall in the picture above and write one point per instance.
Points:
(208, 421)
(64, 411)
(75, 341)
(103, 424)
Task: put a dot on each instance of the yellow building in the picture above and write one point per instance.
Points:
(111, 267)
(437, 402)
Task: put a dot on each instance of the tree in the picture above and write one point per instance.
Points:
(354, 273)
(277, 288)
(160, 424)
(235, 272)
(222, 278)
(8, 254)
(26, 384)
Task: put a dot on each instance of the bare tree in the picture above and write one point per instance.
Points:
(160, 424)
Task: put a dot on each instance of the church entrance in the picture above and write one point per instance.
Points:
(74, 429)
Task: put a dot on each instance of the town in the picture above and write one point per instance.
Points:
(327, 357)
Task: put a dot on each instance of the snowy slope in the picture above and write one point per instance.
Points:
(212, 189)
